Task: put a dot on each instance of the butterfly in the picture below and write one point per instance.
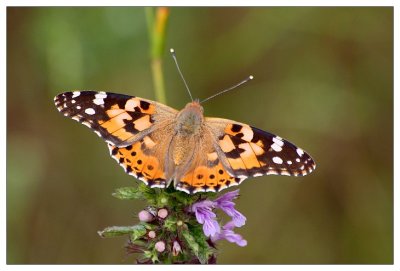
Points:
(160, 145)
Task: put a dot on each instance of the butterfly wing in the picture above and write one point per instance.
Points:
(146, 158)
(131, 126)
(119, 119)
(244, 151)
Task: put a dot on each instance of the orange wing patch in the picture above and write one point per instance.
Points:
(125, 123)
(207, 179)
(144, 167)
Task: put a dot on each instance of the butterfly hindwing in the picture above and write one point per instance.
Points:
(140, 161)
(207, 178)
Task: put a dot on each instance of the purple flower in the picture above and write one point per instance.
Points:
(228, 234)
(225, 204)
(205, 216)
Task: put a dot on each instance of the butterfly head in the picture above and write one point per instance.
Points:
(190, 119)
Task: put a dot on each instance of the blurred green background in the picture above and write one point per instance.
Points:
(323, 80)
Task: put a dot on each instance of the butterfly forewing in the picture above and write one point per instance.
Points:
(117, 118)
(251, 152)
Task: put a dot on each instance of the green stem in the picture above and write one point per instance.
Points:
(157, 23)
(158, 80)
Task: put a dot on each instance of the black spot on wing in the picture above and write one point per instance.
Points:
(236, 128)
(144, 105)
(114, 98)
(114, 151)
(130, 126)
(235, 153)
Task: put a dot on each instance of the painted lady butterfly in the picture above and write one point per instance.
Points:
(158, 144)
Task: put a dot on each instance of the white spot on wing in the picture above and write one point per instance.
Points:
(247, 133)
(278, 141)
(276, 147)
(289, 162)
(98, 101)
(73, 101)
(131, 104)
(158, 186)
(101, 95)
(182, 189)
(90, 111)
(78, 107)
(277, 160)
(99, 98)
(300, 152)
(86, 124)
(297, 160)
(76, 94)
(271, 171)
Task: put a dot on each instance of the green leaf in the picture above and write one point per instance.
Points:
(150, 255)
(170, 223)
(191, 242)
(135, 231)
(183, 197)
(198, 245)
(138, 232)
(128, 193)
(148, 193)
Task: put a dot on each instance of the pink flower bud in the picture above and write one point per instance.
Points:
(152, 234)
(160, 246)
(176, 248)
(162, 213)
(145, 216)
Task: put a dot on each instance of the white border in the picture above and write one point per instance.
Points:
(396, 266)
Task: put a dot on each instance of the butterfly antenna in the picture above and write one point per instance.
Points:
(228, 89)
(179, 70)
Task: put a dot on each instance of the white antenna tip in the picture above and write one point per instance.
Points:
(172, 50)
(251, 77)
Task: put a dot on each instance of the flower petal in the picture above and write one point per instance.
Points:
(228, 196)
(211, 227)
(238, 219)
(228, 234)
